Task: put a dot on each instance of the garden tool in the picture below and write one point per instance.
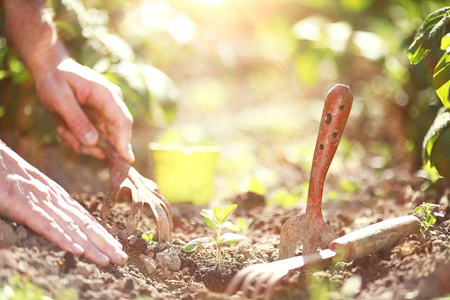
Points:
(143, 191)
(310, 228)
(261, 278)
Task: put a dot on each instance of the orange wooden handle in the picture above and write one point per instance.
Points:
(334, 117)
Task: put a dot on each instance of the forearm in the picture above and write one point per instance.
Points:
(30, 30)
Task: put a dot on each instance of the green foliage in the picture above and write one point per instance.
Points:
(21, 288)
(441, 79)
(148, 237)
(241, 225)
(215, 219)
(429, 218)
(257, 187)
(428, 35)
(93, 38)
(349, 186)
(436, 144)
(435, 150)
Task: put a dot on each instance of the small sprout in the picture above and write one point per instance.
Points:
(215, 219)
(147, 237)
(429, 219)
(241, 225)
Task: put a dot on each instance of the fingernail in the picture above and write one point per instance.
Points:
(120, 257)
(130, 153)
(90, 138)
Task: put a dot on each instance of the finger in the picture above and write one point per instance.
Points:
(95, 232)
(75, 210)
(71, 141)
(101, 238)
(76, 120)
(72, 229)
(118, 121)
(46, 226)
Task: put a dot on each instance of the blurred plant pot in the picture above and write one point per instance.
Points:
(185, 174)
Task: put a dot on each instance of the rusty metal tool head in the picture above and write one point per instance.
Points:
(143, 191)
(310, 228)
(260, 279)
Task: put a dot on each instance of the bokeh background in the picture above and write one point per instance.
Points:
(249, 77)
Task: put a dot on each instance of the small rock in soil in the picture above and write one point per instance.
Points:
(196, 286)
(7, 235)
(169, 259)
(7, 260)
(149, 263)
(83, 270)
(22, 233)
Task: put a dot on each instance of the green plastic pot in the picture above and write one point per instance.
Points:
(185, 174)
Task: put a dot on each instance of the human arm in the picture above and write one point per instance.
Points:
(31, 198)
(64, 87)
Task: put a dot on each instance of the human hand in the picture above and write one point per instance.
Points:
(31, 198)
(70, 90)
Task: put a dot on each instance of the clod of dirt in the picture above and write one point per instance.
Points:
(248, 201)
(169, 259)
(7, 235)
(67, 263)
(149, 263)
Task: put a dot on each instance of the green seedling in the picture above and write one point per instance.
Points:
(429, 219)
(215, 219)
(148, 237)
(241, 225)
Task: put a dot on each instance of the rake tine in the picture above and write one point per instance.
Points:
(271, 284)
(259, 284)
(236, 281)
(246, 286)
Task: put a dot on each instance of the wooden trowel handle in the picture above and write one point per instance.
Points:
(374, 237)
(334, 117)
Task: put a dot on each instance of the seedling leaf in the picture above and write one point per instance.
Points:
(210, 221)
(218, 215)
(428, 35)
(231, 238)
(225, 225)
(198, 244)
(227, 211)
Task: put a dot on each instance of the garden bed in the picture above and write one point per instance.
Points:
(417, 268)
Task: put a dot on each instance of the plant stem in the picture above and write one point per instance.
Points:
(218, 247)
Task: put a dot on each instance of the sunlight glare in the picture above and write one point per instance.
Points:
(209, 2)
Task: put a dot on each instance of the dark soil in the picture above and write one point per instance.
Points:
(417, 268)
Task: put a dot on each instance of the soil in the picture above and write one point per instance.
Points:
(418, 267)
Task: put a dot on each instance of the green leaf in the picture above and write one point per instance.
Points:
(441, 122)
(227, 211)
(431, 219)
(208, 216)
(198, 244)
(428, 35)
(445, 41)
(257, 187)
(218, 215)
(441, 79)
(148, 237)
(225, 224)
(417, 209)
(230, 238)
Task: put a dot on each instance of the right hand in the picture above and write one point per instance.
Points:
(31, 198)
